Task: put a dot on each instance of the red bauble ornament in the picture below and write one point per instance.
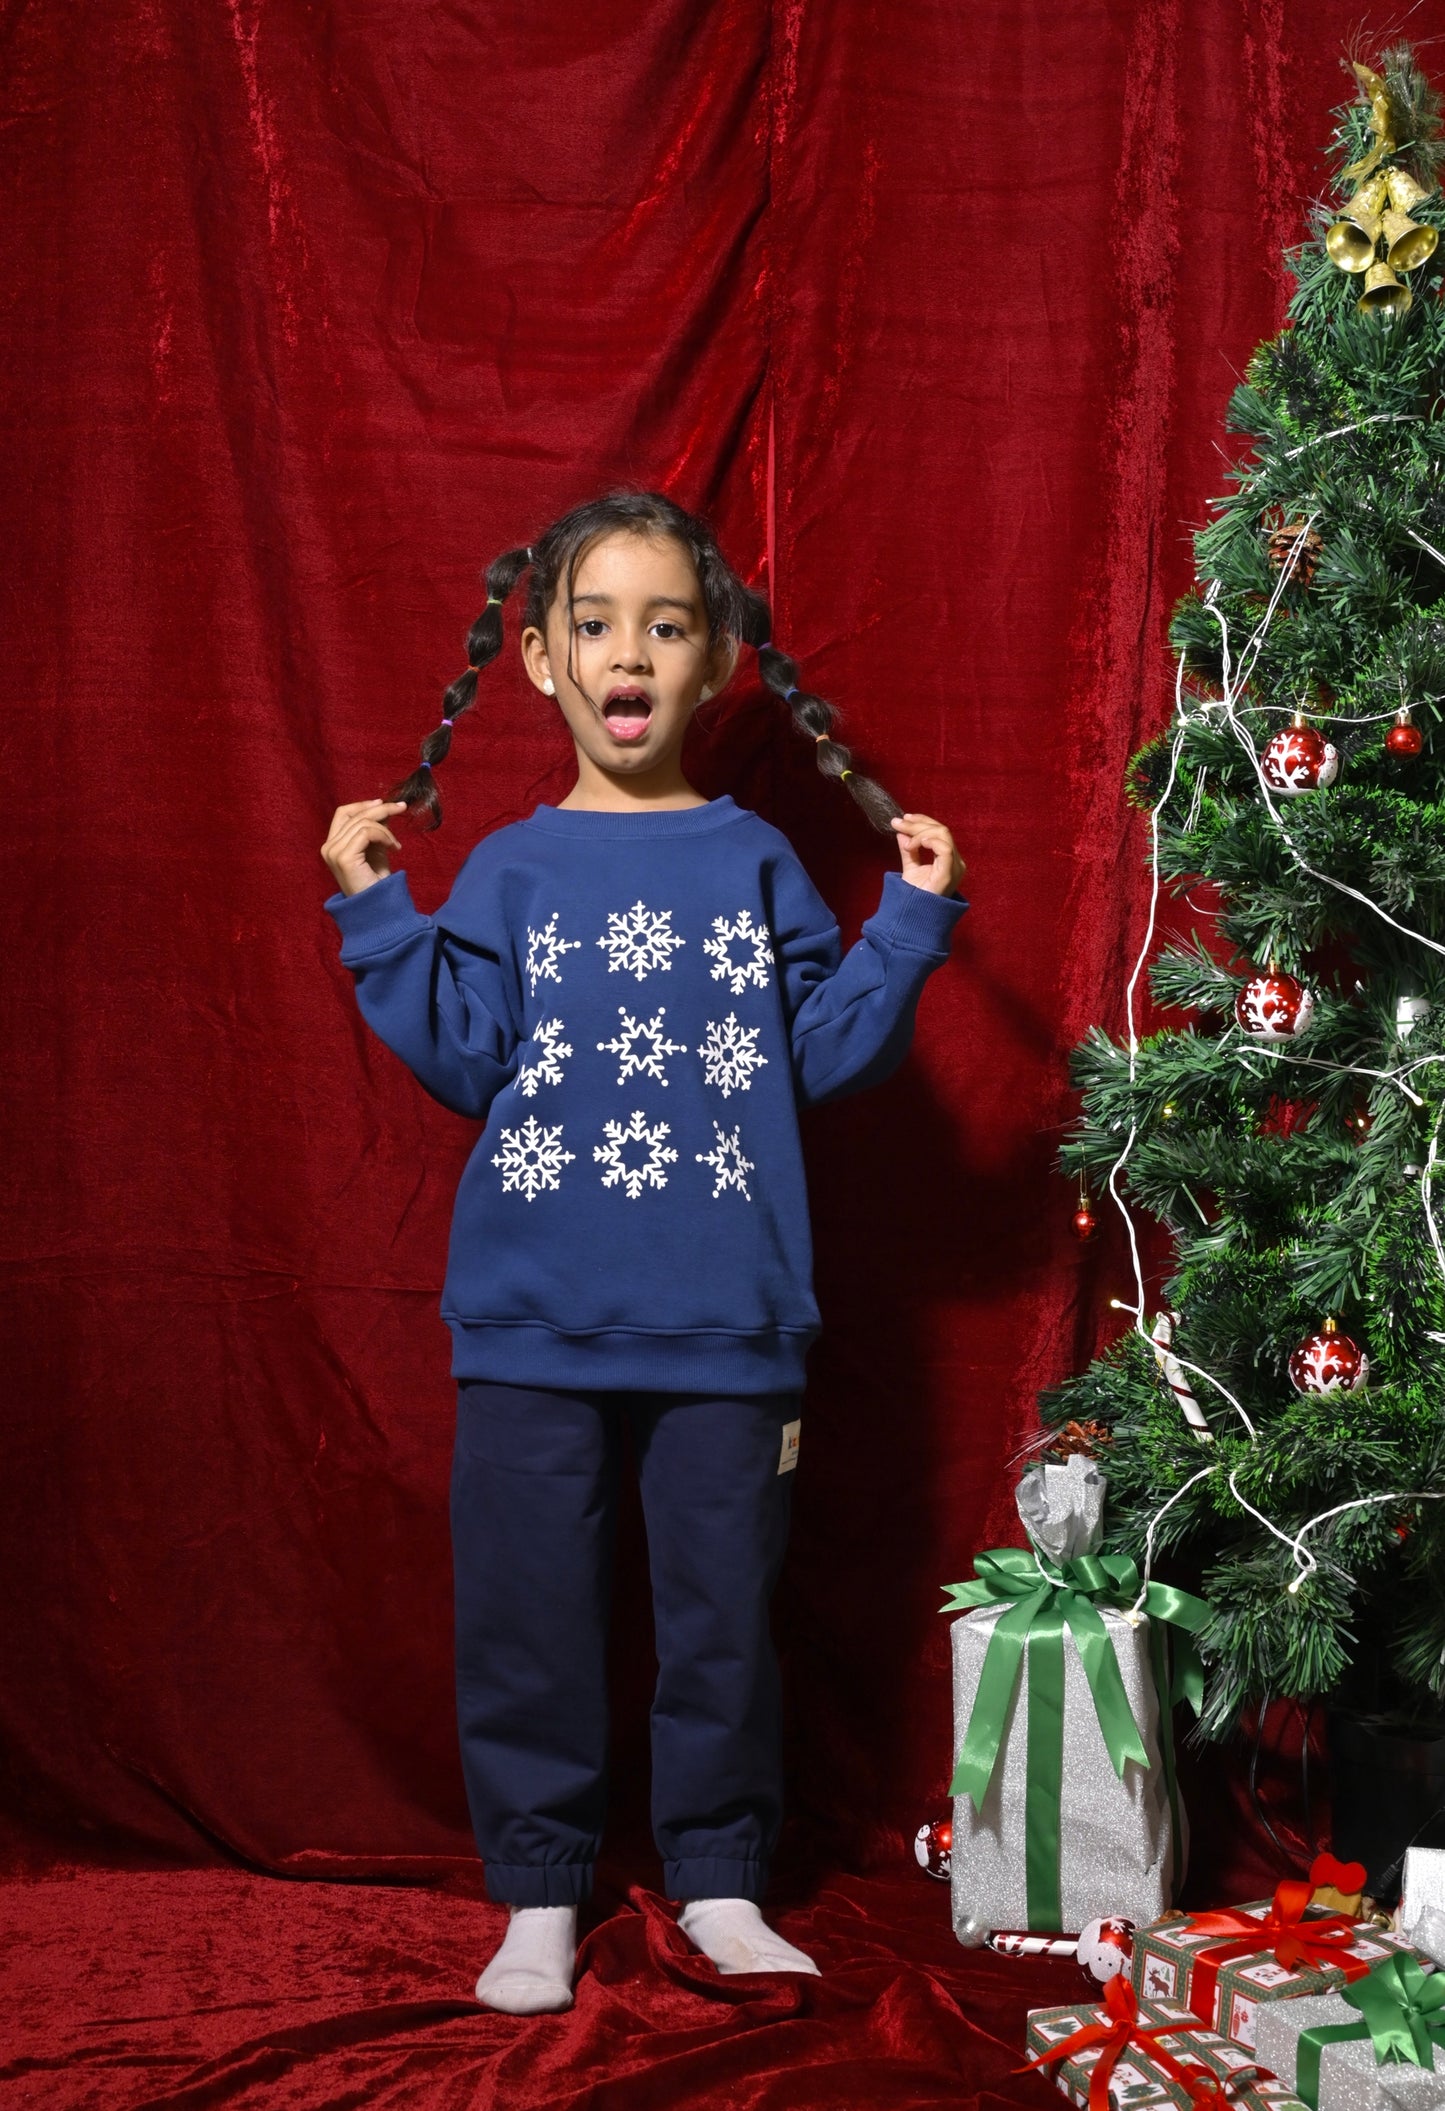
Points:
(1285, 1117)
(1299, 760)
(1274, 1007)
(1404, 737)
(933, 1848)
(1085, 1223)
(1328, 1362)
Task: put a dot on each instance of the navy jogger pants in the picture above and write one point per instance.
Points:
(533, 1504)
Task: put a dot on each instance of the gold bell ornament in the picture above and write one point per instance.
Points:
(1383, 294)
(1409, 242)
(1351, 241)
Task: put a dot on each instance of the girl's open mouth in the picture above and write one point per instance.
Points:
(626, 714)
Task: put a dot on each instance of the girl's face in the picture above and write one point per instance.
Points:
(639, 655)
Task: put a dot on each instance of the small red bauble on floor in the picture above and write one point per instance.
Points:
(1328, 1362)
(1274, 1007)
(1404, 737)
(933, 1848)
(1299, 759)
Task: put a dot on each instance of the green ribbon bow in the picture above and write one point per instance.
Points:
(1402, 2013)
(1047, 1597)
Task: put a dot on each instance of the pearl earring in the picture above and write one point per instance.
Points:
(703, 695)
(550, 686)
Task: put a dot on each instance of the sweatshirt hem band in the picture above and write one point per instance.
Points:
(522, 1352)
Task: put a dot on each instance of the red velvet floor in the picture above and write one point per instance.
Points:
(197, 1987)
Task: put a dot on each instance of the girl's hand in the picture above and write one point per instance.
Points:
(355, 849)
(929, 857)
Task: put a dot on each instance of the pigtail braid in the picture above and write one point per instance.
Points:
(814, 717)
(484, 642)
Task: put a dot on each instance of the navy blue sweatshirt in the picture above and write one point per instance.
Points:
(637, 1005)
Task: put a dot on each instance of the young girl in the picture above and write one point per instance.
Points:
(636, 990)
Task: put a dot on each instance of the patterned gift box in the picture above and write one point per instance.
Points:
(1226, 1983)
(1140, 2077)
(1339, 2072)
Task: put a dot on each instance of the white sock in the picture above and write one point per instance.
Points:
(532, 1971)
(733, 1933)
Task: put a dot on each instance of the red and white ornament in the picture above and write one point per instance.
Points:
(1404, 737)
(1274, 1007)
(1105, 1948)
(1299, 759)
(933, 1848)
(1328, 1362)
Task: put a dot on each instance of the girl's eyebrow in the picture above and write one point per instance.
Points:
(657, 601)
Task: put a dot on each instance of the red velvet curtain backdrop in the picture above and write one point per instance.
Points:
(312, 309)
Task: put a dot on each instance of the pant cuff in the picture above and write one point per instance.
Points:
(539, 1883)
(716, 1877)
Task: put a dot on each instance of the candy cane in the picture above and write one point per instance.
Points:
(1009, 1944)
(1193, 1413)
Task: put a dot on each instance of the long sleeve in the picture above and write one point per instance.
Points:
(851, 1014)
(446, 1005)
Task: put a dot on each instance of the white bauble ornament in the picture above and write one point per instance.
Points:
(1105, 1948)
(1409, 1011)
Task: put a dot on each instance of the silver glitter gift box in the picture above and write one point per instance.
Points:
(1350, 2077)
(1117, 1847)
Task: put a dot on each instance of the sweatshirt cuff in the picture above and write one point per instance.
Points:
(915, 919)
(376, 918)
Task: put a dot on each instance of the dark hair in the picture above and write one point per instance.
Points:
(732, 609)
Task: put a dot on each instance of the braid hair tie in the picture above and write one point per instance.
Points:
(790, 692)
(494, 601)
(766, 646)
(844, 775)
(448, 721)
(424, 764)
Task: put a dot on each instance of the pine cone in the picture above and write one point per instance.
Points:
(1086, 1438)
(1285, 536)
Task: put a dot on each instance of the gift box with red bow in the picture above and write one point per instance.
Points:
(1129, 2055)
(1225, 1965)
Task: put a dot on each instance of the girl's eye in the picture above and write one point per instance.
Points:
(673, 630)
(586, 626)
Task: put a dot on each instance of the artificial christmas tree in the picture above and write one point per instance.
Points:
(1289, 1135)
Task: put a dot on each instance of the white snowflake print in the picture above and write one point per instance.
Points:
(744, 932)
(552, 1051)
(727, 1161)
(640, 1046)
(639, 939)
(532, 1158)
(545, 950)
(730, 1054)
(646, 1172)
